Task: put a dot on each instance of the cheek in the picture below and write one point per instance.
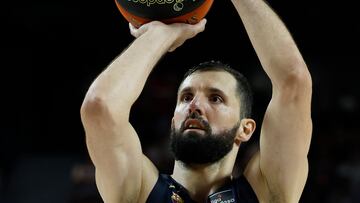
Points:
(179, 116)
(224, 118)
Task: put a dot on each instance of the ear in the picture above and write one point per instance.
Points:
(245, 131)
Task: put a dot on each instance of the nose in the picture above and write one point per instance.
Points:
(196, 106)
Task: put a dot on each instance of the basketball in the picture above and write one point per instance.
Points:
(139, 12)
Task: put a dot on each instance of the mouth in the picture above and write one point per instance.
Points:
(194, 124)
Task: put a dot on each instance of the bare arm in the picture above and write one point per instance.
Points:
(281, 166)
(123, 173)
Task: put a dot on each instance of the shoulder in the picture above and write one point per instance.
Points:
(244, 190)
(253, 177)
(161, 190)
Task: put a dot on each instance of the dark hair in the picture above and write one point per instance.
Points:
(244, 91)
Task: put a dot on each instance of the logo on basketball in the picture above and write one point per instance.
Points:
(178, 4)
(139, 12)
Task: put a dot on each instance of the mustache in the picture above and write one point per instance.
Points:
(195, 115)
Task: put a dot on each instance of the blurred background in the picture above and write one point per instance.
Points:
(53, 50)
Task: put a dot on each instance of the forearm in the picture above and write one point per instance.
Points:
(121, 83)
(271, 40)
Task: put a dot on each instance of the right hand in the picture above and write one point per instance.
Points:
(182, 31)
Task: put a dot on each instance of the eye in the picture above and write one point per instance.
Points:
(186, 97)
(216, 99)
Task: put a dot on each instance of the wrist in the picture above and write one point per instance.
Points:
(163, 35)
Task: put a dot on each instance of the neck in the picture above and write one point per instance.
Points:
(201, 180)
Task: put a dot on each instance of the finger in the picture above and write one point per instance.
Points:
(133, 30)
(201, 25)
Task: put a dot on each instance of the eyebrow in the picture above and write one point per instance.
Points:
(209, 89)
(186, 89)
(216, 90)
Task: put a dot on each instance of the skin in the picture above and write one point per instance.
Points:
(277, 172)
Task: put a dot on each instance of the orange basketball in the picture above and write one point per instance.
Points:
(138, 12)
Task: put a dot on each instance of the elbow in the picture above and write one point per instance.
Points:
(299, 77)
(297, 83)
(289, 72)
(97, 113)
(98, 109)
(93, 105)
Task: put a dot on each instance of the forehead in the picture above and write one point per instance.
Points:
(221, 80)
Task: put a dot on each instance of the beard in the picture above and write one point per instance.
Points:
(194, 148)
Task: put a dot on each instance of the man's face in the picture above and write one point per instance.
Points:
(206, 119)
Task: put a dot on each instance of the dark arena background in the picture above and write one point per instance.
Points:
(51, 51)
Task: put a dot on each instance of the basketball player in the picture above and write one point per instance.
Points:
(210, 121)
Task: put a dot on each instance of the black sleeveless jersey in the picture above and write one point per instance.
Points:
(167, 190)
